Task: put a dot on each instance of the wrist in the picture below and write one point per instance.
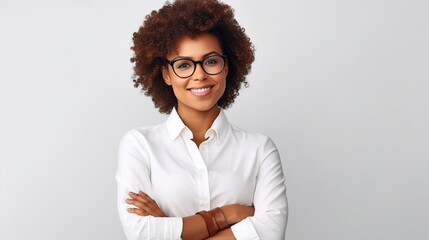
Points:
(211, 226)
(219, 218)
(214, 220)
(230, 212)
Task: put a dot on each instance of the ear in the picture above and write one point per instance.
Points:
(166, 76)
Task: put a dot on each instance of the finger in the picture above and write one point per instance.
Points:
(134, 195)
(146, 197)
(152, 204)
(148, 200)
(139, 204)
(142, 209)
(141, 197)
(143, 202)
(140, 193)
(143, 194)
(138, 197)
(138, 211)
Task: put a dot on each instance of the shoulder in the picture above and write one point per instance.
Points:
(142, 135)
(253, 138)
(252, 143)
(135, 146)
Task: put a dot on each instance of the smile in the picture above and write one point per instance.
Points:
(201, 91)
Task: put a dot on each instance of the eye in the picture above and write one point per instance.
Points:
(182, 64)
(212, 60)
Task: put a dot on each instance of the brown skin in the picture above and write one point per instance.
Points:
(145, 205)
(158, 40)
(198, 112)
(194, 226)
(163, 28)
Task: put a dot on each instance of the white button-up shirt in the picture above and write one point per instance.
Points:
(231, 166)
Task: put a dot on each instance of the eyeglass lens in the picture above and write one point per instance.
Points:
(186, 67)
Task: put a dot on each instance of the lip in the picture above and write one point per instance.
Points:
(201, 91)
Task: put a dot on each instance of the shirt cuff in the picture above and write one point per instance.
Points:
(170, 228)
(155, 228)
(176, 224)
(244, 230)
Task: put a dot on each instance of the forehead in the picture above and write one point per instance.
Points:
(196, 46)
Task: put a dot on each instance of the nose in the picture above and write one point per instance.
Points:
(199, 73)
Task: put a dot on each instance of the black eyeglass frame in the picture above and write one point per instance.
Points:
(171, 63)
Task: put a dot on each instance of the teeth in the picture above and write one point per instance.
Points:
(200, 89)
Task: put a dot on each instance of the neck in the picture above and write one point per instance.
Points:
(198, 121)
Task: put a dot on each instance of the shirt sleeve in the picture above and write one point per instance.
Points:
(133, 174)
(270, 202)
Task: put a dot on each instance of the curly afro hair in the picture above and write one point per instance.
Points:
(163, 28)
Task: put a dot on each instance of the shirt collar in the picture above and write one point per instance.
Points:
(175, 126)
(218, 128)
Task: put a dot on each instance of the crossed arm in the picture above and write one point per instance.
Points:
(194, 226)
(266, 221)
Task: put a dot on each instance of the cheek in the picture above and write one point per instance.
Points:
(222, 83)
(223, 86)
(178, 86)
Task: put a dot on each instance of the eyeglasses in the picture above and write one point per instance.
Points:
(185, 67)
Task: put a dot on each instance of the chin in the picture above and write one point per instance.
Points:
(203, 107)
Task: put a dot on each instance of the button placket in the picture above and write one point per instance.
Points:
(202, 174)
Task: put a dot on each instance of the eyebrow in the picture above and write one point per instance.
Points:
(204, 56)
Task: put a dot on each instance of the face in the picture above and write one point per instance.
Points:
(199, 91)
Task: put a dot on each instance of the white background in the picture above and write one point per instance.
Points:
(340, 86)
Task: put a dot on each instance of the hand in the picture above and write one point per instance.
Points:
(146, 206)
(234, 213)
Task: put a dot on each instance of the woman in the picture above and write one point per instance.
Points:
(196, 176)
